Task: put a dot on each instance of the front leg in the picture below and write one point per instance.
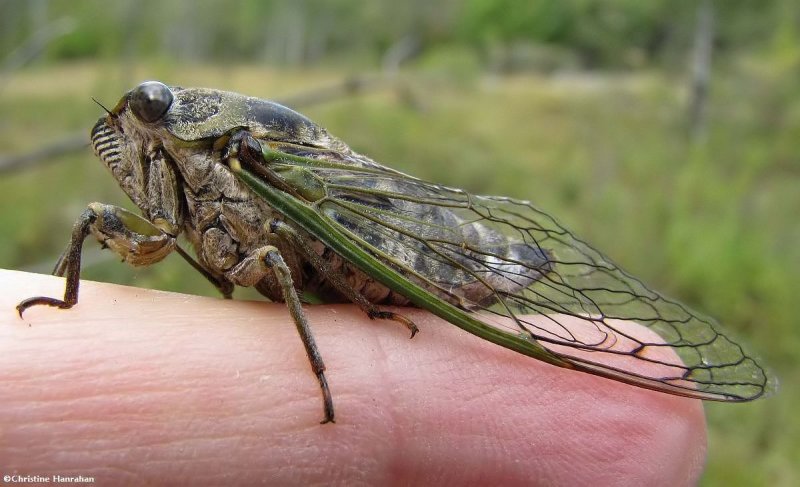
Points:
(136, 240)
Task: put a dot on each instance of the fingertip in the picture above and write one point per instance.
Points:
(161, 375)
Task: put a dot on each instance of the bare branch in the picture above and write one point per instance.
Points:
(47, 154)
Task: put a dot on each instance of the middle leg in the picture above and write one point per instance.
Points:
(335, 277)
(268, 260)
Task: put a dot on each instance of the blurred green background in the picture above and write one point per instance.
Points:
(667, 133)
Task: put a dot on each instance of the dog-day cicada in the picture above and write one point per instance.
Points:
(270, 199)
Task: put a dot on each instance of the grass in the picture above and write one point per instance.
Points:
(713, 223)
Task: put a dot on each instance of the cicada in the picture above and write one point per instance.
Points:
(269, 199)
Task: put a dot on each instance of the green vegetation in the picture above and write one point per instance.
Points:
(713, 224)
(599, 33)
(712, 220)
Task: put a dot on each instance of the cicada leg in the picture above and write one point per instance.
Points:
(335, 278)
(135, 239)
(268, 260)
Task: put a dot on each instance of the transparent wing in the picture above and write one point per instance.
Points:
(515, 268)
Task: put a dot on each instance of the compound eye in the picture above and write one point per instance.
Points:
(150, 101)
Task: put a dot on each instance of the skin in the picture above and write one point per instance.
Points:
(143, 387)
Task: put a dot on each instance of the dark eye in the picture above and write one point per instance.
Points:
(150, 100)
